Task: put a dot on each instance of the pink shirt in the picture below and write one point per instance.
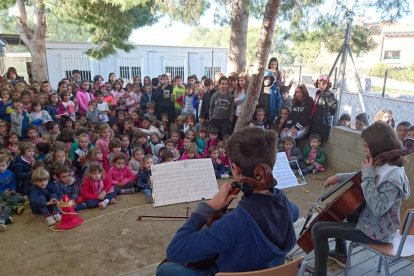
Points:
(123, 176)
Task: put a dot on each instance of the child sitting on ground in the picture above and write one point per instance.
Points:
(136, 159)
(219, 169)
(314, 156)
(22, 167)
(114, 148)
(120, 176)
(44, 196)
(256, 235)
(191, 152)
(67, 183)
(8, 195)
(96, 189)
(212, 141)
(201, 140)
(293, 153)
(144, 178)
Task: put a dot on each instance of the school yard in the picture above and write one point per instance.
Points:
(111, 241)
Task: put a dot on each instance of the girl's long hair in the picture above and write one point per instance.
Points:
(305, 95)
(380, 138)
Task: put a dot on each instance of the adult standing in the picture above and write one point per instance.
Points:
(323, 109)
(274, 67)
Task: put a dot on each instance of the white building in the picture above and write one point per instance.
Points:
(143, 60)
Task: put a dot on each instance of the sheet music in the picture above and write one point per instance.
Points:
(183, 181)
(283, 173)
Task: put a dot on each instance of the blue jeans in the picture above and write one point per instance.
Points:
(170, 269)
(147, 192)
(92, 203)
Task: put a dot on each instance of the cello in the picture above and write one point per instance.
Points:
(348, 201)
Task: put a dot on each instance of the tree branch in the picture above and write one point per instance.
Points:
(22, 11)
(40, 22)
(257, 71)
(26, 34)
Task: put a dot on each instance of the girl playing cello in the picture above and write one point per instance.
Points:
(384, 185)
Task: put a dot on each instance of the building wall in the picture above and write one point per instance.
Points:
(150, 60)
(344, 151)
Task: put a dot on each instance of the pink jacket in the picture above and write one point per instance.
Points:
(103, 145)
(123, 176)
(84, 98)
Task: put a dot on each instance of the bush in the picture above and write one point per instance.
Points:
(401, 74)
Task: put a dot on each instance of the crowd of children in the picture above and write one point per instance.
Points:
(96, 140)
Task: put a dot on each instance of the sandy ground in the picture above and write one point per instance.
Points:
(111, 241)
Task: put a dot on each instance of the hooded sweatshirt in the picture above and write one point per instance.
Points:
(270, 98)
(383, 187)
(256, 235)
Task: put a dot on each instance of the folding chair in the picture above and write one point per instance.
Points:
(402, 246)
(295, 267)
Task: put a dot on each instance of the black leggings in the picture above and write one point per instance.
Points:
(341, 231)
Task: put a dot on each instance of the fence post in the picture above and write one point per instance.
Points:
(385, 82)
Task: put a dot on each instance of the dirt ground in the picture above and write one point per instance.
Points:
(111, 241)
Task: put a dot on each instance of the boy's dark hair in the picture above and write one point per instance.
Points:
(189, 86)
(203, 129)
(164, 76)
(404, 123)
(155, 81)
(177, 78)
(98, 93)
(43, 147)
(165, 154)
(75, 71)
(315, 136)
(363, 118)
(59, 169)
(214, 130)
(151, 105)
(411, 128)
(211, 149)
(118, 156)
(208, 82)
(31, 127)
(67, 135)
(49, 125)
(115, 143)
(223, 78)
(246, 157)
(345, 117)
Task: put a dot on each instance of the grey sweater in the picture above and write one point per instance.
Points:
(222, 106)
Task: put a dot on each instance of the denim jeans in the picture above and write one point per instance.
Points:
(172, 269)
(92, 203)
(341, 231)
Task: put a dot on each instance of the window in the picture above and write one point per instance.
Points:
(174, 71)
(129, 72)
(79, 62)
(129, 67)
(85, 75)
(392, 54)
(210, 71)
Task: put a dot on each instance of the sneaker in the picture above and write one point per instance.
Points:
(19, 209)
(3, 226)
(57, 217)
(315, 171)
(337, 258)
(128, 191)
(149, 199)
(113, 201)
(103, 204)
(50, 221)
(10, 220)
(224, 176)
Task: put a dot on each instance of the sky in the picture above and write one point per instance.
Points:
(174, 33)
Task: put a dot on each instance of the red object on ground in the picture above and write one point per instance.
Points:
(70, 218)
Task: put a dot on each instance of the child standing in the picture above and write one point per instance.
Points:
(178, 91)
(187, 100)
(39, 117)
(314, 156)
(222, 108)
(120, 176)
(83, 97)
(44, 195)
(384, 186)
(96, 189)
(103, 108)
(144, 178)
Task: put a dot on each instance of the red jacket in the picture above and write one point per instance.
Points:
(123, 176)
(90, 190)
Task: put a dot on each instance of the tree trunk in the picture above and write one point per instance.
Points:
(34, 38)
(257, 71)
(239, 22)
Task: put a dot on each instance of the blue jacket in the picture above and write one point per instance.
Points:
(72, 190)
(257, 234)
(22, 171)
(3, 110)
(144, 179)
(7, 181)
(272, 102)
(39, 197)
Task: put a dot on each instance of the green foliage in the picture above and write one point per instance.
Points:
(401, 74)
